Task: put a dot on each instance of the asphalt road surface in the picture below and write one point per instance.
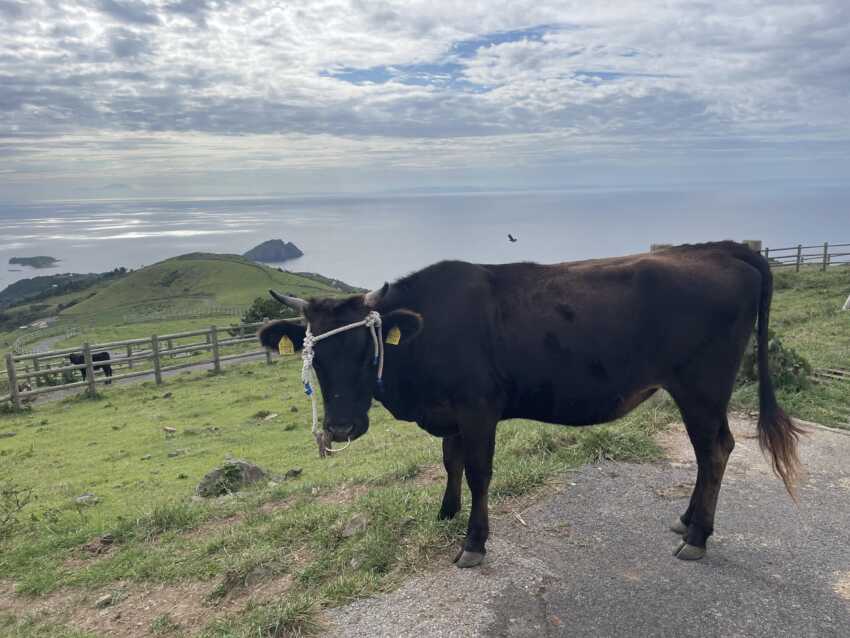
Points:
(595, 558)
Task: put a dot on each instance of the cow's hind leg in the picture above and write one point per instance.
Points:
(107, 370)
(453, 462)
(708, 430)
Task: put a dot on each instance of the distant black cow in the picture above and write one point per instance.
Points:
(78, 359)
(574, 343)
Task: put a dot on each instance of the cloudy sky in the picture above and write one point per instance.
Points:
(119, 98)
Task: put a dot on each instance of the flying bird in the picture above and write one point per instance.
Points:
(511, 238)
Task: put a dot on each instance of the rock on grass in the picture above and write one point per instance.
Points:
(230, 477)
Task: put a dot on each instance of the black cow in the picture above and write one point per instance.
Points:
(77, 359)
(573, 343)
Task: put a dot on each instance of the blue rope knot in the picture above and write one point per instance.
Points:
(308, 389)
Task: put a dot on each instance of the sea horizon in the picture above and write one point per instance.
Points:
(365, 239)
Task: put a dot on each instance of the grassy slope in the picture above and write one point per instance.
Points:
(807, 316)
(182, 284)
(71, 447)
(191, 282)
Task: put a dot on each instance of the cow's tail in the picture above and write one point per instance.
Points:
(777, 433)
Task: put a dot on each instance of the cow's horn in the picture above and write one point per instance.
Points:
(372, 299)
(293, 302)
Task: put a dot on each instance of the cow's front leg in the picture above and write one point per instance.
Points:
(453, 462)
(478, 445)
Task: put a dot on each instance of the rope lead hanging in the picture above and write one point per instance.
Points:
(308, 372)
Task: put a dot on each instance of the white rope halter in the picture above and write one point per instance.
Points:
(308, 373)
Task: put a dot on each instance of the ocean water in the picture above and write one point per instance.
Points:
(367, 240)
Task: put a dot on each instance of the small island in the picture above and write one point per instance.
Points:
(274, 251)
(41, 261)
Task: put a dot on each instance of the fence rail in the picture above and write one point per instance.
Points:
(31, 374)
(822, 255)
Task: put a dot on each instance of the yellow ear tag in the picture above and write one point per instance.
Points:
(286, 346)
(393, 336)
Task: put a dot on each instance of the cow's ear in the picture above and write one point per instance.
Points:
(283, 335)
(400, 326)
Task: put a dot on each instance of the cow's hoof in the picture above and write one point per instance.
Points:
(679, 527)
(468, 559)
(446, 514)
(688, 552)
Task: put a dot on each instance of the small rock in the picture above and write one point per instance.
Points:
(356, 524)
(7, 435)
(167, 395)
(295, 472)
(176, 453)
(103, 601)
(314, 491)
(147, 457)
(87, 499)
(258, 575)
(231, 477)
(293, 409)
(107, 539)
(169, 431)
(270, 417)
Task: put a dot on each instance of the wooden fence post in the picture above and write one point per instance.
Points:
(268, 350)
(13, 381)
(36, 368)
(214, 340)
(767, 253)
(825, 255)
(130, 354)
(157, 367)
(799, 256)
(89, 369)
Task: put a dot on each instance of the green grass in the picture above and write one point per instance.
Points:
(191, 282)
(149, 300)
(806, 315)
(163, 535)
(12, 627)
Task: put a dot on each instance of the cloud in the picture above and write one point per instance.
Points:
(129, 11)
(536, 82)
(127, 44)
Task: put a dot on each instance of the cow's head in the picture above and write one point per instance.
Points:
(345, 362)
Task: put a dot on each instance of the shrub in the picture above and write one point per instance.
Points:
(264, 308)
(13, 500)
(788, 368)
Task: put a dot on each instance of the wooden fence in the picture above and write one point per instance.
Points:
(821, 255)
(42, 371)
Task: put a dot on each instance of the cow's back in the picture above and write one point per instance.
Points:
(584, 342)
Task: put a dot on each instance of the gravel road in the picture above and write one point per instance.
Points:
(595, 558)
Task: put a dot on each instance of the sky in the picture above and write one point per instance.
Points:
(205, 98)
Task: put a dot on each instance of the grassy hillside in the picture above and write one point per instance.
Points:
(193, 282)
(807, 316)
(234, 566)
(162, 294)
